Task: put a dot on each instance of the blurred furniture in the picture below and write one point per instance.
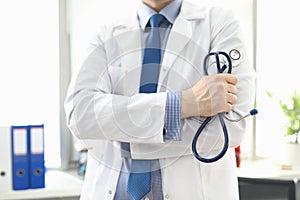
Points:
(60, 185)
(267, 189)
(264, 180)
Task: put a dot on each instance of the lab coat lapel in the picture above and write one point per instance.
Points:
(127, 36)
(179, 36)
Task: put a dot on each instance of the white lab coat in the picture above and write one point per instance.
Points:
(103, 106)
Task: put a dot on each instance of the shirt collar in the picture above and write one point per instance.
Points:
(170, 12)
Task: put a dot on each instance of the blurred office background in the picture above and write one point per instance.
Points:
(42, 42)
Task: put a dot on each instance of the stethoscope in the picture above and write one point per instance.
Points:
(235, 56)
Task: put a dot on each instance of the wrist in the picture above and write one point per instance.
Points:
(188, 105)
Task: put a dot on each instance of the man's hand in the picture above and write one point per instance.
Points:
(211, 95)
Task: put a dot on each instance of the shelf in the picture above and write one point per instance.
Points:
(59, 184)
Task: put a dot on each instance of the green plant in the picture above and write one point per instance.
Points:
(291, 109)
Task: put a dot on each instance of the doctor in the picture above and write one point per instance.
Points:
(120, 123)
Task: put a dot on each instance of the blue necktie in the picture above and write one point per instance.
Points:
(139, 182)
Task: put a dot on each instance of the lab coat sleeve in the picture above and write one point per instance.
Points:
(226, 34)
(94, 112)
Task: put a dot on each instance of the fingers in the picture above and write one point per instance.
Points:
(229, 78)
(231, 89)
(231, 100)
(210, 95)
(231, 96)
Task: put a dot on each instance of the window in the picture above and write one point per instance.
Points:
(277, 53)
(29, 69)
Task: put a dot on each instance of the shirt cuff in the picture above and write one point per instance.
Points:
(172, 125)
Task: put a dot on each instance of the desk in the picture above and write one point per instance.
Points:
(264, 180)
(266, 169)
(59, 185)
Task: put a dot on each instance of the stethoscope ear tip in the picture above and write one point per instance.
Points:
(253, 112)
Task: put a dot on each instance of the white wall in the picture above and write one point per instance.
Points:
(29, 69)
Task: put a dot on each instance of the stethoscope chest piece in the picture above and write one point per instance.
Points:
(234, 54)
(235, 57)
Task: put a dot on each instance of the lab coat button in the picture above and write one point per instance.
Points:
(164, 131)
(109, 192)
(167, 196)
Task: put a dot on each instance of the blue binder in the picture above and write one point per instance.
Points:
(20, 164)
(36, 156)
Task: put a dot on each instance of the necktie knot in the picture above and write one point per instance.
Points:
(156, 19)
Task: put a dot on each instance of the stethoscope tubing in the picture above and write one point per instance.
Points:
(226, 140)
(220, 115)
(218, 63)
